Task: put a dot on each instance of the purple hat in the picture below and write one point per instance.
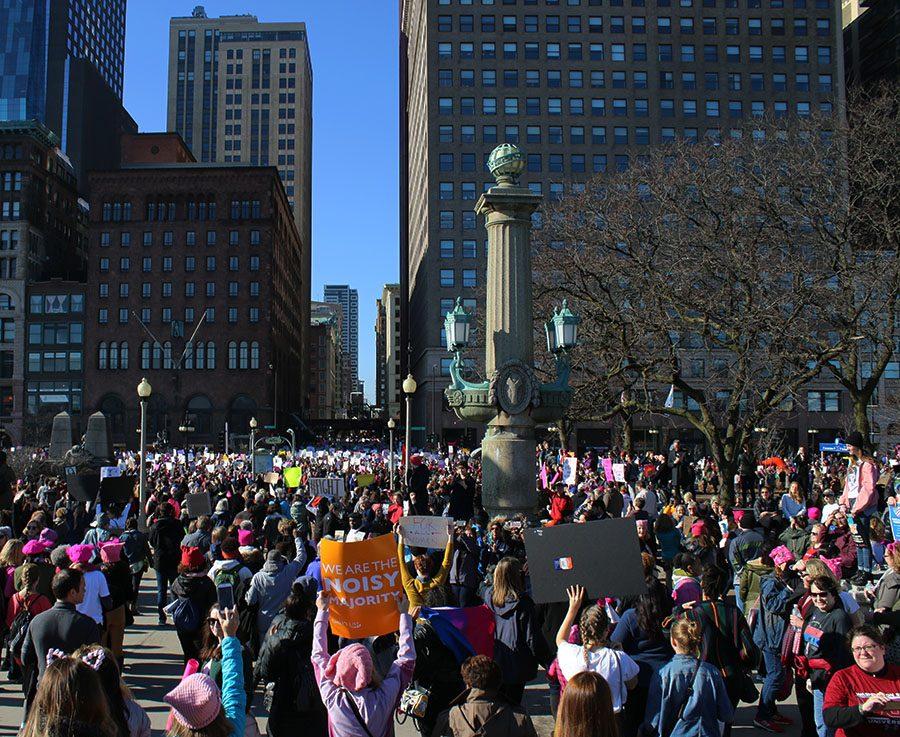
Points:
(35, 547)
(195, 701)
(80, 553)
(48, 536)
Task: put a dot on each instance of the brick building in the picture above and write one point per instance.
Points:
(195, 281)
(325, 362)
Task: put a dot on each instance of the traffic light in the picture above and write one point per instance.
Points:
(220, 441)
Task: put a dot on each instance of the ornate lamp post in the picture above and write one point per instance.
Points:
(253, 425)
(290, 431)
(409, 388)
(391, 425)
(511, 401)
(144, 390)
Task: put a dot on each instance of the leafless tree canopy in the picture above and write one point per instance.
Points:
(734, 270)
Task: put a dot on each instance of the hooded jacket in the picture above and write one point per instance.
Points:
(750, 579)
(484, 714)
(796, 540)
(518, 644)
(272, 585)
(198, 588)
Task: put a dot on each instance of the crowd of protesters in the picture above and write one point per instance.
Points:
(790, 586)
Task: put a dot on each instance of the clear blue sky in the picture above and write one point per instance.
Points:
(353, 45)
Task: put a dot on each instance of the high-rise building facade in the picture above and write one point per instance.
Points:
(194, 281)
(387, 351)
(240, 91)
(871, 40)
(583, 87)
(42, 236)
(348, 299)
(62, 63)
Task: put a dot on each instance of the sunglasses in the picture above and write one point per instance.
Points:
(819, 595)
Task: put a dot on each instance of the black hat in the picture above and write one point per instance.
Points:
(855, 439)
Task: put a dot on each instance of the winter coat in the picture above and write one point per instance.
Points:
(376, 705)
(198, 588)
(165, 537)
(271, 586)
(866, 476)
(775, 602)
(796, 540)
(753, 573)
(464, 571)
(887, 593)
(518, 644)
(484, 714)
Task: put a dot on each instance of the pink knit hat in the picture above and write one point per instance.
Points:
(111, 552)
(80, 553)
(195, 701)
(781, 555)
(35, 547)
(814, 513)
(834, 565)
(350, 667)
(698, 528)
(245, 537)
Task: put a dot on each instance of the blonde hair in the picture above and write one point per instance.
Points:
(816, 568)
(12, 555)
(508, 582)
(687, 635)
(594, 628)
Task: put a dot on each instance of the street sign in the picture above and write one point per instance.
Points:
(418, 428)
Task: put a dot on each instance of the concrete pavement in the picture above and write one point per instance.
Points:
(153, 665)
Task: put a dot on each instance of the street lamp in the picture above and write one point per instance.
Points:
(290, 432)
(562, 330)
(391, 425)
(253, 426)
(409, 388)
(144, 391)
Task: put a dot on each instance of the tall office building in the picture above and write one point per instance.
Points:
(348, 299)
(871, 40)
(387, 351)
(582, 86)
(62, 63)
(240, 91)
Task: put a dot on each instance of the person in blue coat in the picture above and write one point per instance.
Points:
(687, 697)
(776, 597)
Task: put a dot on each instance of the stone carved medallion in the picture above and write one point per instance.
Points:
(514, 388)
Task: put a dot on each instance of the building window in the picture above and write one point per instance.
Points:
(823, 401)
(447, 277)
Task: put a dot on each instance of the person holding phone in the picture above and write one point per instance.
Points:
(863, 700)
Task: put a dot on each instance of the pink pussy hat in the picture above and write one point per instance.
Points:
(195, 701)
(80, 553)
(350, 667)
(245, 537)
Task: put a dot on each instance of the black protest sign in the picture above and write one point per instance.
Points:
(83, 486)
(602, 556)
(117, 489)
(198, 505)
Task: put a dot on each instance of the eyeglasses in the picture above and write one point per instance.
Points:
(859, 650)
(819, 595)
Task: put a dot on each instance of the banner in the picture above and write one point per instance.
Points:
(331, 487)
(568, 555)
(364, 480)
(619, 472)
(426, 532)
(894, 511)
(273, 477)
(110, 472)
(264, 462)
(292, 476)
(570, 470)
(608, 470)
(363, 579)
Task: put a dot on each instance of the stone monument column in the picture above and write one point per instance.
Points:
(508, 448)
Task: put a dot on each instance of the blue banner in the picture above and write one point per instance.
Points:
(837, 447)
(894, 513)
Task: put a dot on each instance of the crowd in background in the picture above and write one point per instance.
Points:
(790, 584)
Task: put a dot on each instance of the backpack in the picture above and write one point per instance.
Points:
(18, 630)
(186, 615)
(233, 577)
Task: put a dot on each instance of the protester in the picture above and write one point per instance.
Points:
(195, 594)
(416, 583)
(586, 708)
(130, 719)
(270, 587)
(359, 702)
(23, 606)
(165, 540)
(861, 499)
(687, 697)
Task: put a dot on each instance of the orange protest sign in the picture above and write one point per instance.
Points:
(363, 580)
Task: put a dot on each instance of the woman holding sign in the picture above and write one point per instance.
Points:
(423, 577)
(359, 702)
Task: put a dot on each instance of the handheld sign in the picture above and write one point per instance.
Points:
(198, 505)
(364, 480)
(363, 581)
(117, 488)
(292, 476)
(894, 512)
(619, 472)
(570, 470)
(608, 470)
(602, 556)
(330, 487)
(425, 532)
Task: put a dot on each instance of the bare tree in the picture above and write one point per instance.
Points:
(702, 275)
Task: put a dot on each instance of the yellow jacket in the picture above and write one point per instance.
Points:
(414, 586)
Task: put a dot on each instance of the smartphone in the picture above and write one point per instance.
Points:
(459, 524)
(225, 596)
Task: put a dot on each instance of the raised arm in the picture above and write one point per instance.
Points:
(447, 563)
(234, 697)
(576, 596)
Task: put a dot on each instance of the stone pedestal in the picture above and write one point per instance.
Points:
(61, 435)
(96, 437)
(508, 460)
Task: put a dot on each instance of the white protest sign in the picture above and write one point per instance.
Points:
(332, 488)
(425, 532)
(570, 470)
(619, 472)
(110, 472)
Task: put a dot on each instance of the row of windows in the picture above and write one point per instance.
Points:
(156, 210)
(166, 315)
(190, 289)
(168, 238)
(11, 181)
(9, 240)
(618, 79)
(55, 333)
(190, 264)
(56, 304)
(640, 3)
(55, 362)
(469, 278)
(619, 107)
(664, 52)
(636, 24)
(448, 248)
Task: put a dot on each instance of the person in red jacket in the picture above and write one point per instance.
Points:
(28, 599)
(560, 505)
(864, 699)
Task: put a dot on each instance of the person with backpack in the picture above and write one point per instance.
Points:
(688, 696)
(285, 668)
(195, 595)
(484, 712)
(231, 569)
(23, 606)
(271, 586)
(137, 552)
(165, 539)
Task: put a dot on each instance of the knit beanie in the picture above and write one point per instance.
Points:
(350, 667)
(195, 701)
